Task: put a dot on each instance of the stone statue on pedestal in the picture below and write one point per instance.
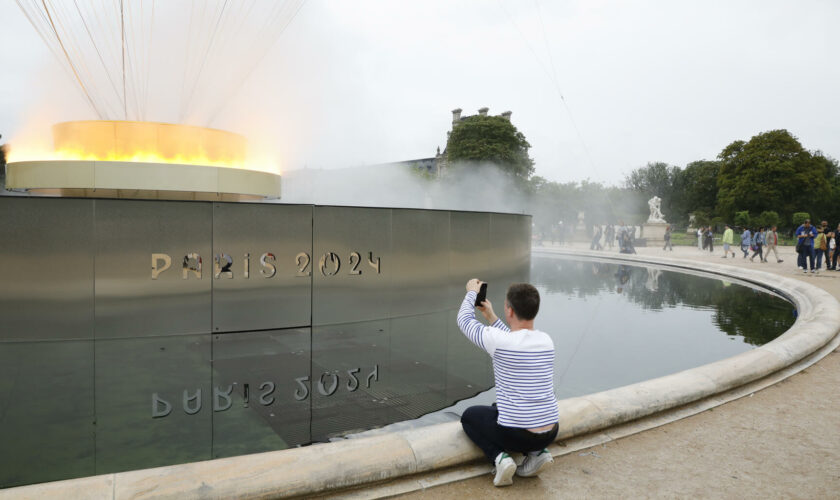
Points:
(653, 231)
(655, 212)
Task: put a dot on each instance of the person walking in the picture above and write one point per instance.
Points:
(728, 238)
(710, 239)
(771, 239)
(833, 247)
(821, 247)
(700, 239)
(609, 235)
(805, 235)
(746, 240)
(525, 417)
(596, 239)
(757, 244)
(668, 231)
(619, 235)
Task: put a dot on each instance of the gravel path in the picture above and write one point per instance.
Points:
(782, 442)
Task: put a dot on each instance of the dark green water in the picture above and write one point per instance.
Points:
(78, 408)
(615, 325)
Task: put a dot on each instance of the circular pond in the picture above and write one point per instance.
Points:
(617, 324)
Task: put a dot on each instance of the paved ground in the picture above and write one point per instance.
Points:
(782, 442)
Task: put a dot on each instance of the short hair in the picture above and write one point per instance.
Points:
(524, 299)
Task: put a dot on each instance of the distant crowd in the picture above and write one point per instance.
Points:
(816, 245)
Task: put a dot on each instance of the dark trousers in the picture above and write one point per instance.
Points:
(480, 425)
(834, 258)
(806, 251)
(757, 251)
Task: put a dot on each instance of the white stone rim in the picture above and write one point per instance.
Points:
(324, 467)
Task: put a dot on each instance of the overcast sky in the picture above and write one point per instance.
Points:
(366, 82)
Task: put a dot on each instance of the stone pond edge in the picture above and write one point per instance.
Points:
(322, 468)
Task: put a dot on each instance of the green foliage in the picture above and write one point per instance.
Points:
(654, 179)
(742, 218)
(799, 217)
(760, 182)
(552, 202)
(702, 218)
(768, 219)
(491, 139)
(772, 172)
(694, 190)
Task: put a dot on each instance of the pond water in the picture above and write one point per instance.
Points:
(172, 399)
(615, 325)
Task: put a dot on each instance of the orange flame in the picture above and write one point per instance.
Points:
(148, 142)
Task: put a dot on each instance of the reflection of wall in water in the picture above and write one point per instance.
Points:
(284, 324)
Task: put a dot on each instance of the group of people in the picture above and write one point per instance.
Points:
(706, 239)
(624, 235)
(760, 241)
(813, 243)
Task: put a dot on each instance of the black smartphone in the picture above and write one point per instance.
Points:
(482, 295)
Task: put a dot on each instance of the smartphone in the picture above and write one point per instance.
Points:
(482, 295)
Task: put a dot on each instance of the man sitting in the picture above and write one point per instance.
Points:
(524, 418)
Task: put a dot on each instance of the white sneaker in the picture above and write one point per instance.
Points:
(505, 468)
(534, 464)
(804, 271)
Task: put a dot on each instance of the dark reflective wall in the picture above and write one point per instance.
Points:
(136, 334)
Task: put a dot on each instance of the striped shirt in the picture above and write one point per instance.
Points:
(523, 365)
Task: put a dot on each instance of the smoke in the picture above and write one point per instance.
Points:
(476, 187)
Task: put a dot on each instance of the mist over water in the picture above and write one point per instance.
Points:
(476, 187)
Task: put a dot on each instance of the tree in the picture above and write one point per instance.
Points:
(772, 172)
(695, 190)
(491, 139)
(742, 218)
(655, 179)
(768, 219)
(799, 218)
(2, 165)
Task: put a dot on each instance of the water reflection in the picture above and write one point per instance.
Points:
(755, 316)
(77, 408)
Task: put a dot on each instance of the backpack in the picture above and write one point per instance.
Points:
(820, 243)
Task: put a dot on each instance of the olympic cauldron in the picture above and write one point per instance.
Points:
(137, 333)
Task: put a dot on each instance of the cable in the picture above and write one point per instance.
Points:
(72, 66)
(247, 74)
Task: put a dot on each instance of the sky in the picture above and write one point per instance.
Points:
(597, 87)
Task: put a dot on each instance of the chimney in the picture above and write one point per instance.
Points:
(483, 111)
(506, 115)
(456, 115)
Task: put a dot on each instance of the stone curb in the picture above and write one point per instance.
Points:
(328, 467)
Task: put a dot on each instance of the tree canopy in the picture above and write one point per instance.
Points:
(772, 172)
(766, 179)
(491, 139)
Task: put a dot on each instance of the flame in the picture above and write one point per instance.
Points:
(145, 142)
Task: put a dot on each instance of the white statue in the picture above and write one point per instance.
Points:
(655, 213)
(652, 279)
